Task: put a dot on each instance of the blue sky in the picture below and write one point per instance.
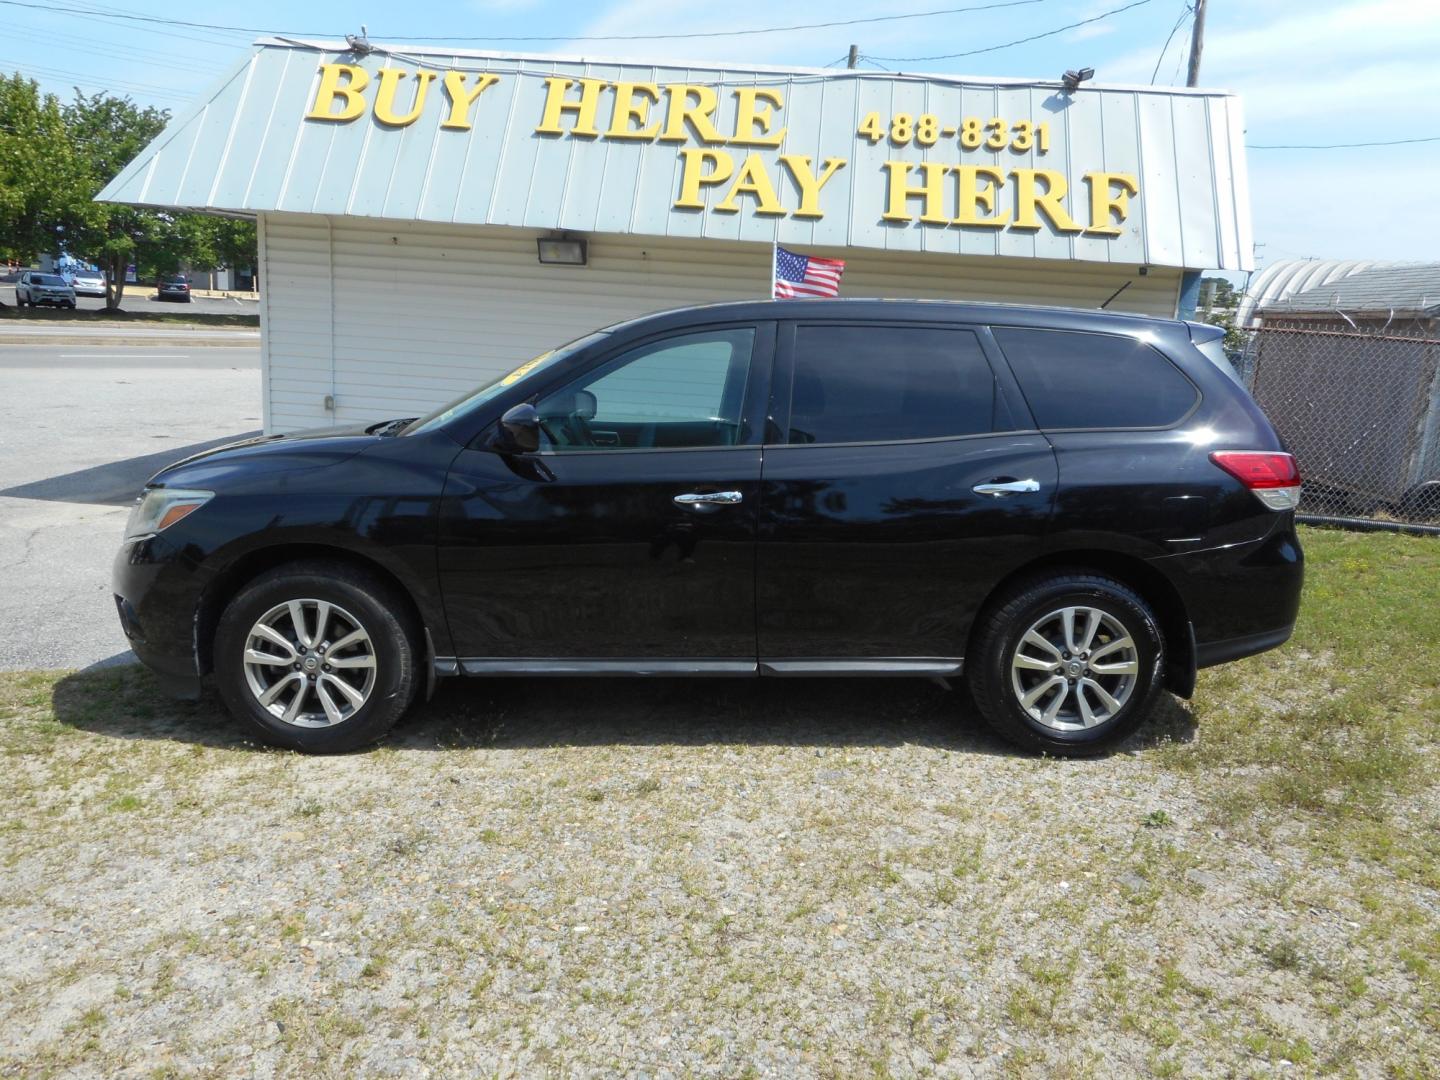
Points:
(1311, 71)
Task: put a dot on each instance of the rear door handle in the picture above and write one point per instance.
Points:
(709, 498)
(1001, 488)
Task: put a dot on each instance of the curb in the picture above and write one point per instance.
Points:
(60, 340)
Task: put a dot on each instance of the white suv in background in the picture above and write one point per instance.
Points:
(35, 289)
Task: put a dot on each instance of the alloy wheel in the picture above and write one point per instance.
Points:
(1074, 668)
(309, 663)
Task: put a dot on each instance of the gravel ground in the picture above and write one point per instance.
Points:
(760, 878)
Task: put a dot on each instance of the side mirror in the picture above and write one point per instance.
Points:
(519, 430)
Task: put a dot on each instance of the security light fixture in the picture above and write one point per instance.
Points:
(562, 250)
(1073, 79)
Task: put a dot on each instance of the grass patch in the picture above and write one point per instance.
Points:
(750, 878)
(100, 319)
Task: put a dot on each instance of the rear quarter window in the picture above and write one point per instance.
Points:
(1084, 380)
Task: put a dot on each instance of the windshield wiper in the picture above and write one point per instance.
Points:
(390, 427)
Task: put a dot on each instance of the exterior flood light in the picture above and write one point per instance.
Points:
(1073, 79)
(566, 251)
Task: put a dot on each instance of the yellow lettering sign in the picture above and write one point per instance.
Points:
(692, 178)
(932, 190)
(458, 119)
(349, 93)
(808, 183)
(974, 194)
(749, 116)
(752, 179)
(1104, 202)
(385, 96)
(680, 110)
(556, 103)
(1029, 198)
(628, 110)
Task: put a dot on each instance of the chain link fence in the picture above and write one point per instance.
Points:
(1360, 409)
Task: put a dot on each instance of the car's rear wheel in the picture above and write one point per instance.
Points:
(317, 657)
(1068, 664)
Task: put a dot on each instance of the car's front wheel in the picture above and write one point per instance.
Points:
(1068, 664)
(317, 657)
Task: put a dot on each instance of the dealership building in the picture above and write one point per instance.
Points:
(428, 219)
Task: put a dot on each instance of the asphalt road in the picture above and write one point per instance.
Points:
(84, 427)
(140, 298)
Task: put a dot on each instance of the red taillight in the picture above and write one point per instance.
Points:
(1272, 477)
(1258, 469)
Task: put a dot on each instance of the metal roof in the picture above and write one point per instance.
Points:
(247, 146)
(1397, 288)
(1281, 280)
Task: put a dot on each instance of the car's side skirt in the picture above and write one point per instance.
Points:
(922, 666)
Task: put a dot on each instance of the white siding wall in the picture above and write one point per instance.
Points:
(394, 318)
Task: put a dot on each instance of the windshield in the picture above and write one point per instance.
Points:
(476, 398)
(48, 279)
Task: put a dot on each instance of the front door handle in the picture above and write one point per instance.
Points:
(709, 498)
(1000, 488)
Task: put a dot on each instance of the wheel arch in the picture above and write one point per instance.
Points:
(222, 589)
(1137, 574)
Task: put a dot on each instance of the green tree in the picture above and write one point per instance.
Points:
(40, 189)
(107, 132)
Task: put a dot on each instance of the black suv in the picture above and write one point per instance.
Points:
(1078, 509)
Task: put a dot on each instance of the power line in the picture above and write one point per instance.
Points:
(741, 33)
(1338, 146)
(112, 50)
(164, 93)
(997, 4)
(1166, 47)
(1009, 44)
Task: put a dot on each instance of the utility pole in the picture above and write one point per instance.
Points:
(1197, 44)
(854, 56)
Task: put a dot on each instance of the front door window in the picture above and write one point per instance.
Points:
(684, 391)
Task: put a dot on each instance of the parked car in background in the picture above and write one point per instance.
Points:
(1074, 509)
(172, 287)
(36, 289)
(88, 282)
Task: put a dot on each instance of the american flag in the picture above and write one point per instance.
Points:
(802, 275)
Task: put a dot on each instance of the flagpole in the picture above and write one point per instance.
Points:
(774, 258)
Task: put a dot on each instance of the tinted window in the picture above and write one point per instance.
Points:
(1076, 380)
(884, 383)
(687, 390)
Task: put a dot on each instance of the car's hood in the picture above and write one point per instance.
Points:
(314, 449)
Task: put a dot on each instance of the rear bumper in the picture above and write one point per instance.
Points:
(1236, 648)
(1241, 599)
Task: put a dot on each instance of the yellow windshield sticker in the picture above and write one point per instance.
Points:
(525, 368)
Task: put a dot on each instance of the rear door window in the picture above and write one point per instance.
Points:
(889, 383)
(1084, 380)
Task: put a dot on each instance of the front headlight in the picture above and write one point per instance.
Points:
(159, 508)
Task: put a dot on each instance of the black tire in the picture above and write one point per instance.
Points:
(363, 599)
(998, 636)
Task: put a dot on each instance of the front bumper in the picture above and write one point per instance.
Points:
(157, 594)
